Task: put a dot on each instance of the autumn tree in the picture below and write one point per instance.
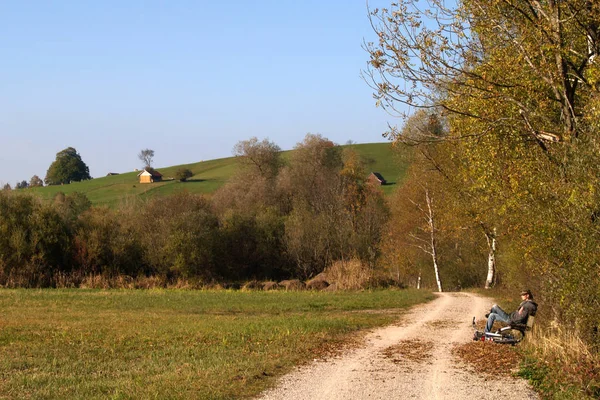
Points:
(253, 187)
(518, 86)
(36, 181)
(530, 60)
(313, 164)
(334, 214)
(250, 212)
(263, 157)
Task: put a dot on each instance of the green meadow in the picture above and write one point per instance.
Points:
(125, 344)
(208, 177)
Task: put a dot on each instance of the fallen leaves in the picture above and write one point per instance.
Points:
(415, 350)
(489, 358)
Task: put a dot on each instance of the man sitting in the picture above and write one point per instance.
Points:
(526, 308)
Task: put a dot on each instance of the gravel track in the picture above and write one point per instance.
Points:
(409, 360)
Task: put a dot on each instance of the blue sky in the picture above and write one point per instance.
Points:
(188, 79)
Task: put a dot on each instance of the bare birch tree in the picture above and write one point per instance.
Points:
(428, 242)
(491, 241)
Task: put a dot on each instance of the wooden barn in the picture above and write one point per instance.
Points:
(149, 176)
(376, 178)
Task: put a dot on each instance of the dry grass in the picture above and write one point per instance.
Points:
(128, 282)
(349, 275)
(562, 344)
(558, 361)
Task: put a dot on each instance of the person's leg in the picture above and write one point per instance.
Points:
(496, 314)
(502, 315)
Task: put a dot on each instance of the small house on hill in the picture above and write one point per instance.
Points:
(376, 178)
(149, 176)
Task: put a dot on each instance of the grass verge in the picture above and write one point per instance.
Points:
(173, 343)
(552, 358)
(560, 366)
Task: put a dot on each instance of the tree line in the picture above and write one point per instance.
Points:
(273, 220)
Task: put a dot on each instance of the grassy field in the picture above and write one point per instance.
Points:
(208, 177)
(173, 343)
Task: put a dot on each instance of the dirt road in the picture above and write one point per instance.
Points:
(410, 360)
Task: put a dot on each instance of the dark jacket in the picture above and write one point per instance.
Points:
(526, 308)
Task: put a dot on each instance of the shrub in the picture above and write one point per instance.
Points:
(183, 174)
(292, 284)
(35, 241)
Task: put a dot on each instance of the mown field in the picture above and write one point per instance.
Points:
(208, 177)
(174, 343)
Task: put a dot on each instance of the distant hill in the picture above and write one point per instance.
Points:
(208, 177)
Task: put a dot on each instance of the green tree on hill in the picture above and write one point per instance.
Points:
(22, 185)
(67, 167)
(183, 174)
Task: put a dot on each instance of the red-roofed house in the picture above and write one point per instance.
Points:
(376, 178)
(149, 176)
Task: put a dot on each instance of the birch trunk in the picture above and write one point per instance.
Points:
(491, 275)
(431, 224)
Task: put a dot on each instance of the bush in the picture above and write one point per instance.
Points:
(105, 244)
(292, 284)
(179, 235)
(183, 174)
(35, 241)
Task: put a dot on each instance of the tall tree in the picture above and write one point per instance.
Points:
(528, 61)
(264, 157)
(36, 181)
(68, 167)
(146, 156)
(253, 186)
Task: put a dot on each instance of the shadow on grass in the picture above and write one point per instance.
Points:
(194, 180)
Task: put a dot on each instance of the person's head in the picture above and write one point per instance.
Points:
(526, 294)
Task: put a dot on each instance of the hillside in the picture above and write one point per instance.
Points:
(208, 177)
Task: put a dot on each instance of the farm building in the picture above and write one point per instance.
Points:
(149, 176)
(376, 178)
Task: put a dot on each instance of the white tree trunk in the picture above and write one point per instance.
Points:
(419, 280)
(491, 240)
(431, 223)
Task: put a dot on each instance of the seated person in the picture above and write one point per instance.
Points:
(526, 308)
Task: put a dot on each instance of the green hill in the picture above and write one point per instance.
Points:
(208, 177)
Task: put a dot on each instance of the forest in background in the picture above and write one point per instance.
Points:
(273, 220)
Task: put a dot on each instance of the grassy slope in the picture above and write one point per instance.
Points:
(208, 177)
(171, 343)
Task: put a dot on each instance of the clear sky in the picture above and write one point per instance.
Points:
(188, 79)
